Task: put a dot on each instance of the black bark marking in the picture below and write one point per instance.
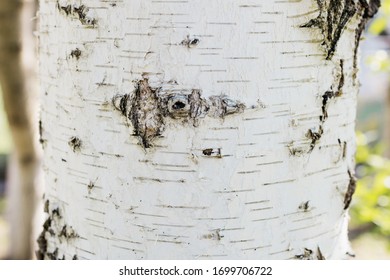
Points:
(80, 12)
(46, 206)
(190, 42)
(306, 255)
(148, 107)
(90, 186)
(350, 190)
(179, 106)
(75, 143)
(42, 241)
(332, 20)
(212, 152)
(76, 53)
(53, 227)
(341, 82)
(320, 256)
(40, 131)
(304, 206)
(68, 233)
(53, 255)
(56, 212)
(310, 255)
(316, 134)
(75, 258)
(343, 146)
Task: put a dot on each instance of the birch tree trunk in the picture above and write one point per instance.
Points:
(199, 129)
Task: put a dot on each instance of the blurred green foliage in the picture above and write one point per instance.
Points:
(371, 204)
(381, 20)
(380, 61)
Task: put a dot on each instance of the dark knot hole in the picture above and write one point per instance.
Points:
(178, 105)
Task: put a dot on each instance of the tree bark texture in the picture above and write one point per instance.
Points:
(199, 129)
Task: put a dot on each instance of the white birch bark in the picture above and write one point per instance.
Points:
(161, 178)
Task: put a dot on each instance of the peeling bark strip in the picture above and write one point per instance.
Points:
(350, 191)
(81, 12)
(147, 107)
(332, 20)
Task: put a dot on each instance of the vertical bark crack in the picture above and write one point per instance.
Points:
(350, 190)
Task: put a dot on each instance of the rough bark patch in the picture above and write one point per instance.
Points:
(80, 12)
(146, 113)
(332, 20)
(148, 107)
(53, 227)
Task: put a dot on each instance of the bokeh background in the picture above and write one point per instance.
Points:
(370, 211)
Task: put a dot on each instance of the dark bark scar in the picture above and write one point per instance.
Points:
(350, 190)
(147, 108)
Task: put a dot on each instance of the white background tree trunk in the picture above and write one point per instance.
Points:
(182, 170)
(18, 79)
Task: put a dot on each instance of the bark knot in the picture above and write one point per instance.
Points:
(148, 108)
